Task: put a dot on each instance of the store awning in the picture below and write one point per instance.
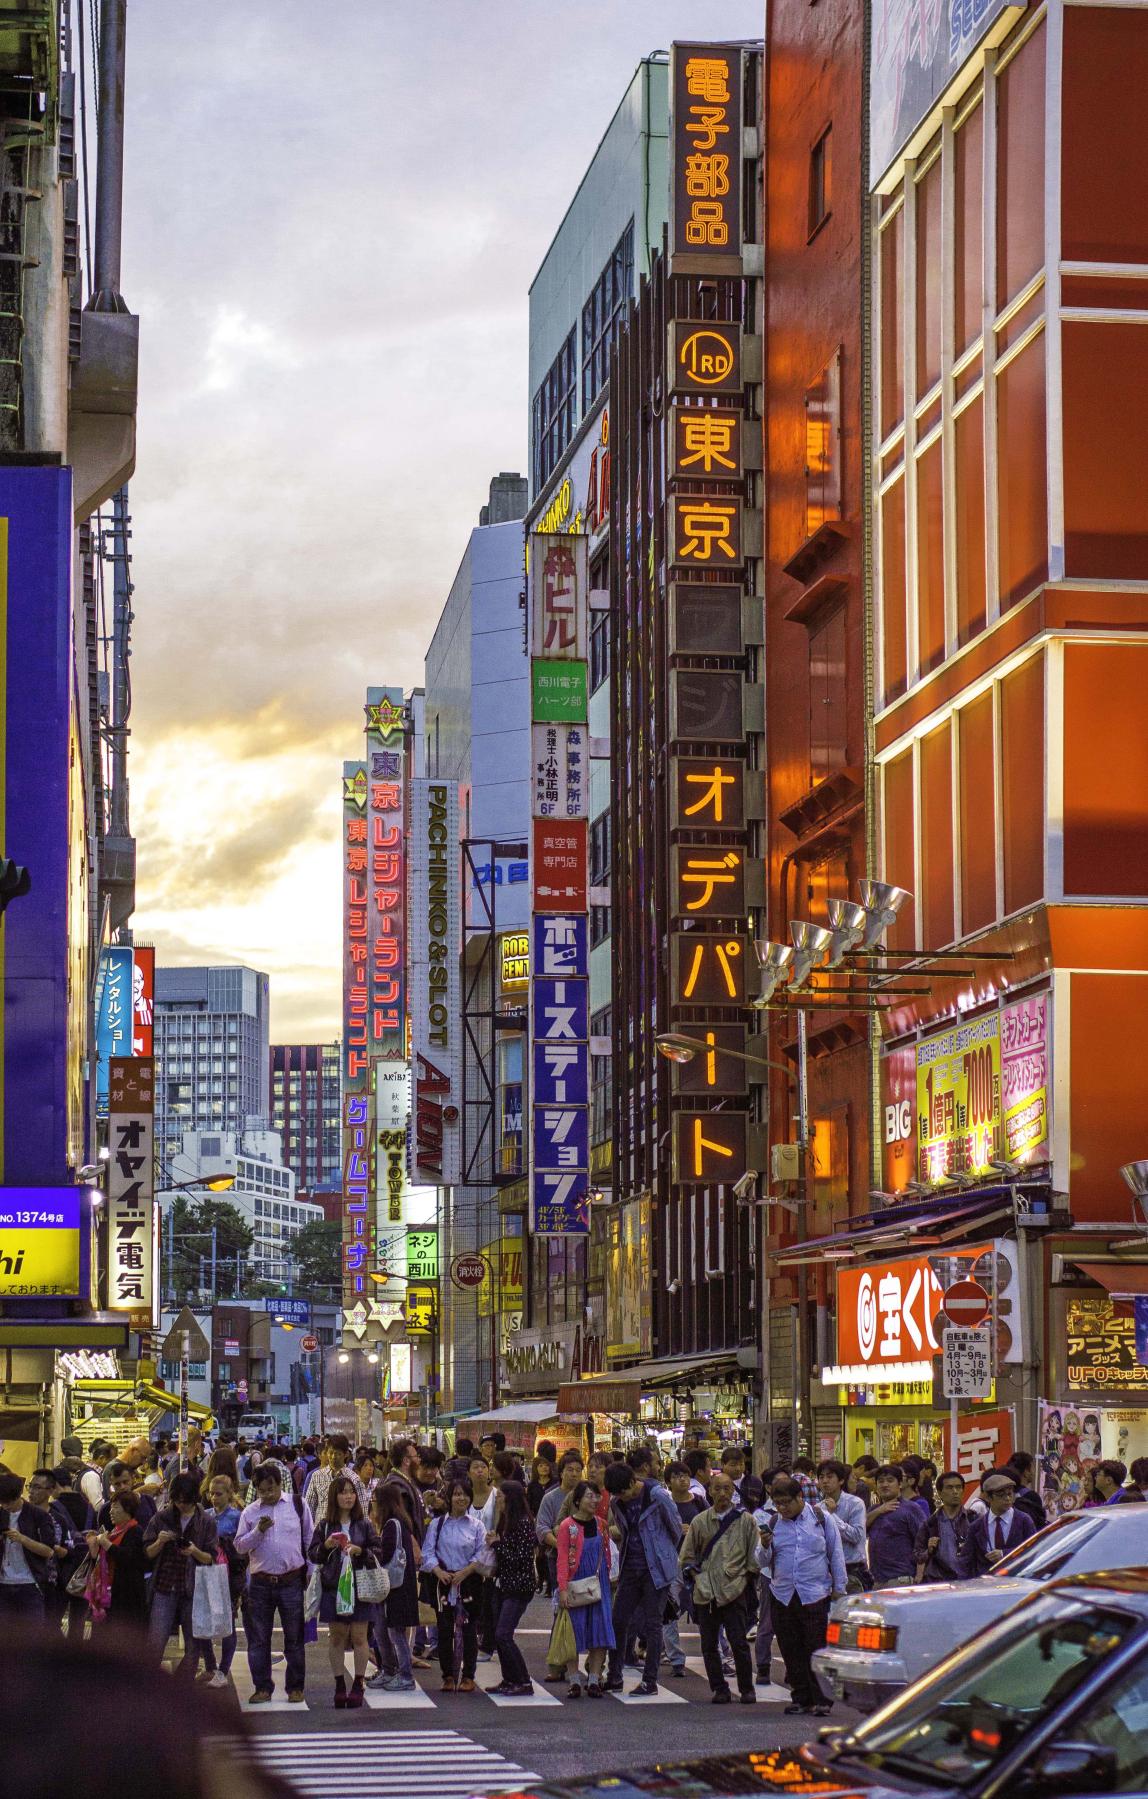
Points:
(124, 1393)
(936, 1220)
(153, 1394)
(533, 1411)
(622, 1392)
(1123, 1281)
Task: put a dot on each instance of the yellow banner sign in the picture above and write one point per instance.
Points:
(959, 1099)
(501, 1289)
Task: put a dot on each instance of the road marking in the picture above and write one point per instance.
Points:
(663, 1696)
(371, 1764)
(538, 1697)
(381, 1701)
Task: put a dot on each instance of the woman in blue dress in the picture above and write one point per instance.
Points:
(584, 1549)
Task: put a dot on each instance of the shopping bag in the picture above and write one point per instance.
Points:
(345, 1591)
(428, 1617)
(562, 1647)
(313, 1597)
(211, 1614)
(78, 1584)
(372, 1583)
(98, 1592)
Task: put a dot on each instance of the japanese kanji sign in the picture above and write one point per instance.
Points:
(358, 1153)
(1101, 1345)
(559, 692)
(561, 1011)
(967, 1367)
(561, 1073)
(707, 971)
(559, 865)
(705, 444)
(709, 1148)
(131, 1189)
(558, 597)
(560, 779)
(705, 621)
(422, 1255)
(704, 531)
(561, 944)
(386, 866)
(984, 1441)
(39, 1242)
(113, 1015)
(959, 1098)
(356, 929)
(709, 793)
(886, 1313)
(706, 136)
(706, 706)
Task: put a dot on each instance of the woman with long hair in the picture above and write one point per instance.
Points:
(399, 1613)
(222, 1461)
(583, 1550)
(514, 1542)
(453, 1553)
(344, 1531)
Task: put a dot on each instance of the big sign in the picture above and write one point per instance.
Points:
(886, 1314)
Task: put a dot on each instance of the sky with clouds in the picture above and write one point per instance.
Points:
(332, 218)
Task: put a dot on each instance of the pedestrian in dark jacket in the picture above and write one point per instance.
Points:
(1004, 1527)
(1027, 1498)
(942, 1541)
(179, 1539)
(514, 1546)
(27, 1546)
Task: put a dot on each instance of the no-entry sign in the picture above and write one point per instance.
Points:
(967, 1303)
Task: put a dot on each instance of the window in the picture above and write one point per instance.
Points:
(555, 405)
(820, 196)
(599, 650)
(601, 316)
(827, 751)
(599, 925)
(600, 851)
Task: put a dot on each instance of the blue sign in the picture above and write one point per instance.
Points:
(1141, 1310)
(560, 1203)
(562, 1137)
(562, 1074)
(42, 827)
(115, 1016)
(512, 873)
(561, 1011)
(561, 944)
(289, 1311)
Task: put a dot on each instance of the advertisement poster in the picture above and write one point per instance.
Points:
(1073, 1438)
(959, 1098)
(899, 1133)
(1101, 1344)
(1024, 1078)
(916, 53)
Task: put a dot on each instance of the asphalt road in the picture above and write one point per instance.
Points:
(436, 1744)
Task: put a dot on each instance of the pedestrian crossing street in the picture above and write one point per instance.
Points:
(318, 1695)
(378, 1764)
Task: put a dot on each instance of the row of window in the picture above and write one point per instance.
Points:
(555, 407)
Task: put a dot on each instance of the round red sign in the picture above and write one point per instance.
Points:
(967, 1303)
(309, 1343)
(468, 1270)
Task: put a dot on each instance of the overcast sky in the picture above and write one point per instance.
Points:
(333, 215)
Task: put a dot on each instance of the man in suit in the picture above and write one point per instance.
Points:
(1003, 1527)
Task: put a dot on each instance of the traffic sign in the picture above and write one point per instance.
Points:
(308, 1344)
(967, 1371)
(198, 1347)
(468, 1270)
(966, 1302)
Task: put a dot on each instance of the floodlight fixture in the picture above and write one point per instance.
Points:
(881, 903)
(810, 942)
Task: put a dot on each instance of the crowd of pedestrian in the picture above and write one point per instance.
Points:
(403, 1554)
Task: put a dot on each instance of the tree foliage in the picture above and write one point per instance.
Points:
(317, 1254)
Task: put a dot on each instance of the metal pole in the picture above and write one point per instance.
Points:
(214, 1252)
(110, 158)
(954, 1407)
(803, 1434)
(184, 1357)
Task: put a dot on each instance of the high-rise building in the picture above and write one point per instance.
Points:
(212, 1052)
(263, 1191)
(305, 1111)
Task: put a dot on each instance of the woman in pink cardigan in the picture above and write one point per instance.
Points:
(584, 1549)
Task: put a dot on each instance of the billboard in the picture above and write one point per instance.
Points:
(114, 1015)
(356, 932)
(132, 1284)
(959, 1098)
(435, 902)
(386, 865)
(43, 944)
(706, 140)
(917, 50)
(40, 1242)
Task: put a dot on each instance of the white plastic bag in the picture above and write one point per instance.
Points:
(211, 1614)
(314, 1594)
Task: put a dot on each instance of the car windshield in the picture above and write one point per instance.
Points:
(1082, 1543)
(958, 1723)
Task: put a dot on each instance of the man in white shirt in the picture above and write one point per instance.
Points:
(850, 1512)
(275, 1533)
(802, 1557)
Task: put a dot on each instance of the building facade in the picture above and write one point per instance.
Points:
(263, 1192)
(304, 1091)
(212, 1052)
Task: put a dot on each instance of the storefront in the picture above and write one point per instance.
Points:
(118, 1409)
(700, 1401)
(1097, 1375)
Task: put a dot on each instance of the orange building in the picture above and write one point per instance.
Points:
(1009, 474)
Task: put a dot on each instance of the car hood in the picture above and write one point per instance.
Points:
(989, 1593)
(721, 1777)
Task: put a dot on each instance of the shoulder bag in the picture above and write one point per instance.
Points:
(692, 1569)
(588, 1589)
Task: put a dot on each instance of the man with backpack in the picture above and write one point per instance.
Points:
(942, 1549)
(650, 1531)
(718, 1561)
(801, 1555)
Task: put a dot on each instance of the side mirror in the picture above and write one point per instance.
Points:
(1075, 1768)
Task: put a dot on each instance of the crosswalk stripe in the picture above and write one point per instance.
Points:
(663, 1696)
(381, 1765)
(380, 1701)
(538, 1697)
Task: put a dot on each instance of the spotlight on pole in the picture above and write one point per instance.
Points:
(776, 960)
(847, 923)
(881, 903)
(810, 942)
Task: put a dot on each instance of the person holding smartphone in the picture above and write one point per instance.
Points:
(273, 1532)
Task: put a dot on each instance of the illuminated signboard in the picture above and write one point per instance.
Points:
(959, 1098)
(704, 532)
(421, 1306)
(706, 705)
(1025, 1078)
(434, 979)
(114, 1015)
(131, 1189)
(707, 971)
(1101, 1344)
(357, 1157)
(559, 863)
(422, 1255)
(709, 792)
(709, 881)
(705, 359)
(709, 1148)
(706, 135)
(386, 838)
(705, 444)
(705, 621)
(711, 1071)
(143, 1001)
(39, 1242)
(356, 905)
(514, 961)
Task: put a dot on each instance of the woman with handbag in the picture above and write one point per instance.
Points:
(122, 1544)
(343, 1545)
(584, 1588)
(515, 1545)
(454, 1552)
(399, 1613)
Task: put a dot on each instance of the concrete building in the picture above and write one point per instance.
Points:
(212, 1052)
(473, 727)
(264, 1192)
(305, 1111)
